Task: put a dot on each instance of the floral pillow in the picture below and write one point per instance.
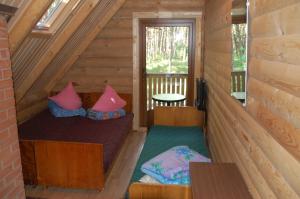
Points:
(98, 115)
(172, 166)
(58, 111)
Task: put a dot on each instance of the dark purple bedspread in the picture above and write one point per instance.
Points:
(110, 133)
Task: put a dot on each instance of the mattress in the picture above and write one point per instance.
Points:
(162, 138)
(111, 133)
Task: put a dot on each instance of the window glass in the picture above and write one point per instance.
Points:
(51, 14)
(167, 50)
(239, 32)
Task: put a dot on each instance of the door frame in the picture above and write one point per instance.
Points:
(198, 70)
(164, 22)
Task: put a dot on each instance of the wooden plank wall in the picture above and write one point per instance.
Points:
(33, 49)
(14, 3)
(264, 137)
(108, 59)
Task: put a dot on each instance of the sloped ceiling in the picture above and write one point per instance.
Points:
(14, 3)
(39, 57)
(40, 62)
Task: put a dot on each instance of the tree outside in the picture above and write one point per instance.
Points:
(239, 37)
(167, 50)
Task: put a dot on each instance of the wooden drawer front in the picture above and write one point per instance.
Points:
(69, 164)
(28, 162)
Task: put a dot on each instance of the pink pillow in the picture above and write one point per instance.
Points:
(67, 98)
(109, 101)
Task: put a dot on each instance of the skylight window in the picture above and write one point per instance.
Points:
(51, 14)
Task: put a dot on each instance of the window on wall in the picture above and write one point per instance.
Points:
(239, 32)
(55, 15)
(167, 49)
(51, 14)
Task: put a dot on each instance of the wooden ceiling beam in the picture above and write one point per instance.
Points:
(25, 22)
(7, 10)
(78, 17)
(90, 36)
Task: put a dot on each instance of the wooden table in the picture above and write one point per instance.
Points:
(168, 98)
(217, 181)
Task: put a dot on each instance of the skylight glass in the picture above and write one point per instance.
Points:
(51, 14)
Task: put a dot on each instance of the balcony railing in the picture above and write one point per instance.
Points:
(178, 83)
(238, 81)
(165, 83)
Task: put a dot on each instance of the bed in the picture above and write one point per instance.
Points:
(172, 126)
(73, 152)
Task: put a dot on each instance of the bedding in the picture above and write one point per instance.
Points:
(58, 111)
(162, 138)
(172, 166)
(111, 133)
(148, 179)
(98, 115)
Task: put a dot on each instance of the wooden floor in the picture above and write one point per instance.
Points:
(117, 182)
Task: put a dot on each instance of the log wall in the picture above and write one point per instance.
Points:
(263, 138)
(41, 60)
(108, 59)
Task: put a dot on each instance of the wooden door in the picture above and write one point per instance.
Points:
(164, 83)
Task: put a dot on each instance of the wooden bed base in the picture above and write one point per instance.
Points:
(171, 116)
(143, 191)
(63, 164)
(66, 164)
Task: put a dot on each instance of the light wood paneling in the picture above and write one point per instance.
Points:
(14, 3)
(29, 61)
(26, 21)
(107, 60)
(101, 17)
(262, 138)
(56, 44)
(113, 45)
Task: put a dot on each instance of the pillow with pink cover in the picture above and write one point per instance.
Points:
(67, 98)
(109, 101)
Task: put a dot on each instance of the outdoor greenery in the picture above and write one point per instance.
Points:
(167, 49)
(239, 36)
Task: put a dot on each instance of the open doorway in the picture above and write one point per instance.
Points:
(167, 64)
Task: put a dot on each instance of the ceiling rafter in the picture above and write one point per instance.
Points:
(7, 10)
(90, 36)
(25, 20)
(78, 18)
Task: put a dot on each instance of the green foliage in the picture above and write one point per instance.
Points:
(239, 62)
(167, 50)
(239, 37)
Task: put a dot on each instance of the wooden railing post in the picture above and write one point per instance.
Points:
(238, 79)
(165, 83)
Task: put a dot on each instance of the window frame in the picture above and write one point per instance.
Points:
(240, 20)
(57, 18)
